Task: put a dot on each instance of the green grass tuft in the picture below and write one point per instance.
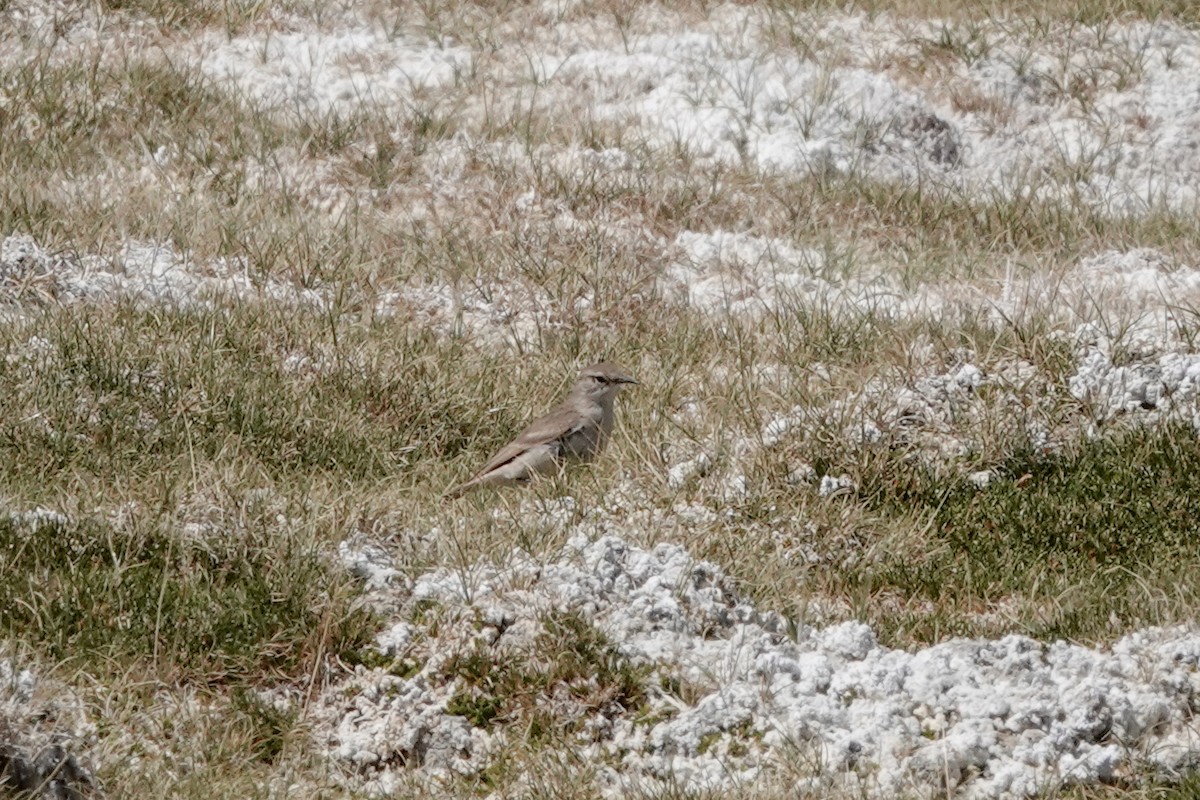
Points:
(1084, 535)
(232, 608)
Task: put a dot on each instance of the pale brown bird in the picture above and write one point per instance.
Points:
(574, 431)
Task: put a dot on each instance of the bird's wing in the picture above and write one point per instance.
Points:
(554, 426)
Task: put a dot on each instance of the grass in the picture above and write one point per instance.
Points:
(1088, 539)
(205, 456)
(570, 664)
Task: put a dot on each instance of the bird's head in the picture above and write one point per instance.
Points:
(602, 381)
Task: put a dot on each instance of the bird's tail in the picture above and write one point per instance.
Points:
(458, 491)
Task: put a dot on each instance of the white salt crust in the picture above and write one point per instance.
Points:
(823, 709)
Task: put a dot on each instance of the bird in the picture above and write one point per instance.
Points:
(574, 431)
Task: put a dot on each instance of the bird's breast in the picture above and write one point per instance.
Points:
(582, 445)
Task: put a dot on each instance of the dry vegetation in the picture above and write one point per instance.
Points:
(208, 455)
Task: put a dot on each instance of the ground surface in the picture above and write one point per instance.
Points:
(906, 503)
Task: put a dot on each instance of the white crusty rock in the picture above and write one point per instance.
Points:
(369, 562)
(1167, 384)
(1004, 718)
(149, 273)
(43, 729)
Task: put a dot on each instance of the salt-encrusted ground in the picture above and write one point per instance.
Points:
(153, 274)
(1099, 117)
(1102, 117)
(1103, 112)
(937, 407)
(823, 709)
(44, 728)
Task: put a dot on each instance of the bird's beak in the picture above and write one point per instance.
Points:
(630, 380)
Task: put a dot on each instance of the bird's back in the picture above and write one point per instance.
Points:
(561, 428)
